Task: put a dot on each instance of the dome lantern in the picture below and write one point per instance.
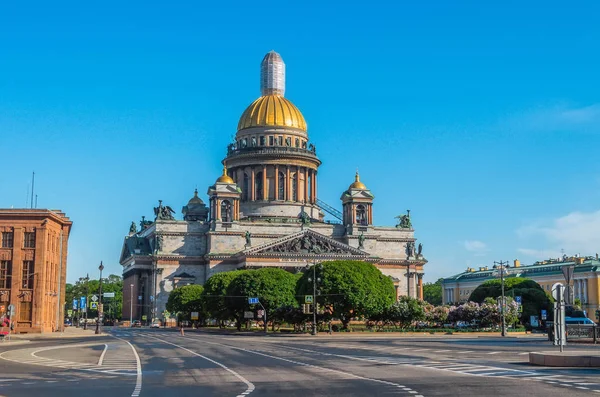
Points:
(357, 184)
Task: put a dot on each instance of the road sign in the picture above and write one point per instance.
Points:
(261, 313)
(248, 314)
(544, 315)
(70, 313)
(518, 299)
(195, 315)
(108, 294)
(556, 291)
(75, 304)
(520, 309)
(252, 301)
(308, 299)
(94, 298)
(82, 302)
(93, 305)
(144, 317)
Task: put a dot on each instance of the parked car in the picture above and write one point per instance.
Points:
(136, 324)
(578, 321)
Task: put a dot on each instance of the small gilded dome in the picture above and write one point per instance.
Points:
(357, 184)
(225, 178)
(195, 199)
(272, 111)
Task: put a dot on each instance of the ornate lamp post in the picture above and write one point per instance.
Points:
(501, 269)
(101, 267)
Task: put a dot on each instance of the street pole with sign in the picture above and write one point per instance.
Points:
(101, 267)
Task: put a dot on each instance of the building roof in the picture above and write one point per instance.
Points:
(541, 268)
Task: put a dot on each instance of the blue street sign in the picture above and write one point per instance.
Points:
(544, 314)
(252, 301)
(83, 302)
(518, 299)
(75, 304)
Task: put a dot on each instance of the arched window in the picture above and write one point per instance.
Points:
(226, 211)
(294, 188)
(258, 186)
(297, 142)
(361, 215)
(281, 192)
(309, 193)
(245, 192)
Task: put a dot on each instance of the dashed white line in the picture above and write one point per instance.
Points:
(138, 384)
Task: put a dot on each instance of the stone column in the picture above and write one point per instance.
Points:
(276, 182)
(218, 209)
(287, 183)
(265, 192)
(298, 196)
(252, 185)
(420, 289)
(585, 297)
(315, 186)
(353, 221)
(305, 193)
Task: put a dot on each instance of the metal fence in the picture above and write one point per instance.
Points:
(584, 332)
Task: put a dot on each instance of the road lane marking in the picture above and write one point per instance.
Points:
(385, 382)
(250, 385)
(138, 383)
(102, 355)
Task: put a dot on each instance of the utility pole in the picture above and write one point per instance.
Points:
(101, 267)
(501, 264)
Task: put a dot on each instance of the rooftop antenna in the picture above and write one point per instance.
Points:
(32, 187)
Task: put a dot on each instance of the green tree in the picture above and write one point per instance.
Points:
(432, 292)
(113, 307)
(215, 291)
(350, 288)
(533, 297)
(185, 300)
(274, 288)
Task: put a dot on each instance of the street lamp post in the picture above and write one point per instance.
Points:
(501, 264)
(131, 305)
(101, 267)
(314, 280)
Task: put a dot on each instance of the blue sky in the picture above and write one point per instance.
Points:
(481, 118)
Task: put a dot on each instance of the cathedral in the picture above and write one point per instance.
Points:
(263, 211)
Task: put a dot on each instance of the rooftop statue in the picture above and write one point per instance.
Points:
(164, 212)
(133, 228)
(361, 240)
(404, 221)
(248, 238)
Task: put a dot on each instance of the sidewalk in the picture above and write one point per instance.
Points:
(69, 332)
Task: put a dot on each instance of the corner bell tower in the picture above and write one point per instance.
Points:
(357, 204)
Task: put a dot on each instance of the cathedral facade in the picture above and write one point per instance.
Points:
(263, 211)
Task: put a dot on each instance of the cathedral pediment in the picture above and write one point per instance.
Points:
(306, 242)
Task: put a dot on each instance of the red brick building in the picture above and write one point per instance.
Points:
(33, 268)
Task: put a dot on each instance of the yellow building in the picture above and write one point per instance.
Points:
(586, 280)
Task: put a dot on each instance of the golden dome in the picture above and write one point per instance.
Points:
(357, 184)
(272, 111)
(225, 178)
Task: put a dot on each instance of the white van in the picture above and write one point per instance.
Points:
(578, 321)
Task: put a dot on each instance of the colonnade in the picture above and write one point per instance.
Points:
(300, 183)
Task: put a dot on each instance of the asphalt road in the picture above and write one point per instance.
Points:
(157, 362)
